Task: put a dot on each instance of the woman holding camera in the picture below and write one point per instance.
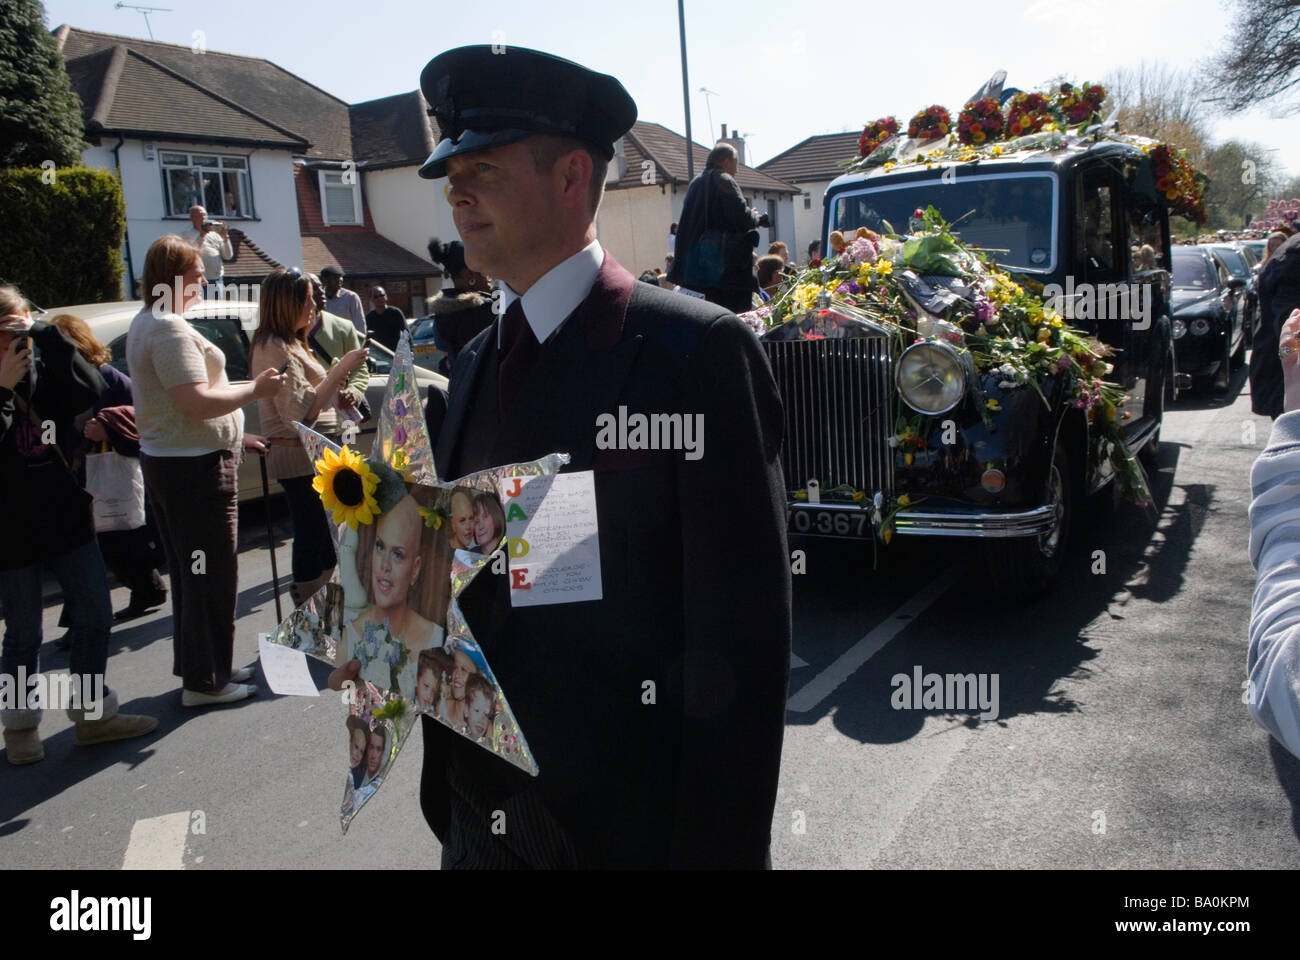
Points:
(48, 527)
(286, 309)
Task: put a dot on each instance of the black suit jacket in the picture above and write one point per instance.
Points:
(714, 200)
(1279, 294)
(655, 714)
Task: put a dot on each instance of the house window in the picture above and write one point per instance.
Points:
(340, 200)
(807, 201)
(219, 184)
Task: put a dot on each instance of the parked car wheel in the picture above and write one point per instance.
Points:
(1028, 566)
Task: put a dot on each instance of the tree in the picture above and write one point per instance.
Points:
(1155, 100)
(1261, 61)
(40, 115)
(1242, 177)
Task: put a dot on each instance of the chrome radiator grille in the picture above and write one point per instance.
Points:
(839, 411)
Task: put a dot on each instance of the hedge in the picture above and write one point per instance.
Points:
(60, 241)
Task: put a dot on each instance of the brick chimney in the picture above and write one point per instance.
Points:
(735, 140)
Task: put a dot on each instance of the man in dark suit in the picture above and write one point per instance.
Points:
(719, 265)
(1279, 294)
(656, 713)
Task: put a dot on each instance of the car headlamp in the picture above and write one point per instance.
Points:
(930, 377)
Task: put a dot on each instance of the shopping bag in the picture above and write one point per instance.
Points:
(117, 484)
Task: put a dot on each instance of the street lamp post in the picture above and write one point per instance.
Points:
(686, 92)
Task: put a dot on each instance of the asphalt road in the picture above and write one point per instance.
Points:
(1120, 740)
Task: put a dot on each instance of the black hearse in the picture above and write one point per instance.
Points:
(1086, 218)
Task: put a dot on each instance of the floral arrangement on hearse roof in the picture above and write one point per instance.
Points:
(1008, 336)
(985, 130)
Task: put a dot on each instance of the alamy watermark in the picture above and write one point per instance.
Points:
(1101, 301)
(655, 431)
(36, 691)
(949, 691)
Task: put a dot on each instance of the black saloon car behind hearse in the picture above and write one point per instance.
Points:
(1085, 217)
(1208, 316)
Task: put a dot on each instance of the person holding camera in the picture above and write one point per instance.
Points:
(44, 384)
(717, 236)
(286, 309)
(213, 242)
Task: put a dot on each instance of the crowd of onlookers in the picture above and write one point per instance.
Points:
(174, 431)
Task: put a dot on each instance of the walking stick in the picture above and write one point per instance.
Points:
(270, 537)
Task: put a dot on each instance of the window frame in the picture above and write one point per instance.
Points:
(358, 212)
(246, 174)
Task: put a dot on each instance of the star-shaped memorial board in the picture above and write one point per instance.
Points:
(408, 545)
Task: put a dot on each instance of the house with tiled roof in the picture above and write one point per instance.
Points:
(301, 177)
(646, 187)
(811, 164)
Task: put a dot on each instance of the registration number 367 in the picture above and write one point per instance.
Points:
(831, 523)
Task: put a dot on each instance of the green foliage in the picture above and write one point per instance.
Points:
(1241, 177)
(62, 235)
(40, 115)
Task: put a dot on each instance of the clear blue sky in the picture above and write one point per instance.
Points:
(782, 71)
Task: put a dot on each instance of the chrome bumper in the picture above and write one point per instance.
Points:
(1024, 523)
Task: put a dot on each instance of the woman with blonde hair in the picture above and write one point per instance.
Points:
(191, 424)
(48, 528)
(286, 309)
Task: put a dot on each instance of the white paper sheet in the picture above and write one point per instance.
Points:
(285, 669)
(552, 538)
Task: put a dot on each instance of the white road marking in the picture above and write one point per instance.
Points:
(847, 663)
(797, 661)
(158, 843)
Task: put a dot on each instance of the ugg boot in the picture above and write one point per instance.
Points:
(109, 725)
(22, 739)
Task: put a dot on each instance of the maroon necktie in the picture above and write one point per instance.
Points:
(519, 348)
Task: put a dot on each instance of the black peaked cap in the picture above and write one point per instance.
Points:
(483, 99)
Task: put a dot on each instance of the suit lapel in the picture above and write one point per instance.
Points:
(470, 362)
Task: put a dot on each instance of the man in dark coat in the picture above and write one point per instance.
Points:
(656, 713)
(720, 266)
(1279, 294)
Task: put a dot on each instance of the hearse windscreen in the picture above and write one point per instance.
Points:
(1014, 214)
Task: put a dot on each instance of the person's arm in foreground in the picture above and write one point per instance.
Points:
(1273, 658)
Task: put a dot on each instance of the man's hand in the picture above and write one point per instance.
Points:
(224, 230)
(94, 430)
(255, 443)
(1288, 341)
(15, 363)
(763, 221)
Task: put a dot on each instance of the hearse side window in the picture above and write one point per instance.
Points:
(1095, 226)
(1145, 241)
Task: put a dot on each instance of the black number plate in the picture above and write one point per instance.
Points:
(855, 524)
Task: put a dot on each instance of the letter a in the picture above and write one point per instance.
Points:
(515, 512)
(606, 434)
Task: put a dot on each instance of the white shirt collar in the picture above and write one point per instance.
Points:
(557, 293)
